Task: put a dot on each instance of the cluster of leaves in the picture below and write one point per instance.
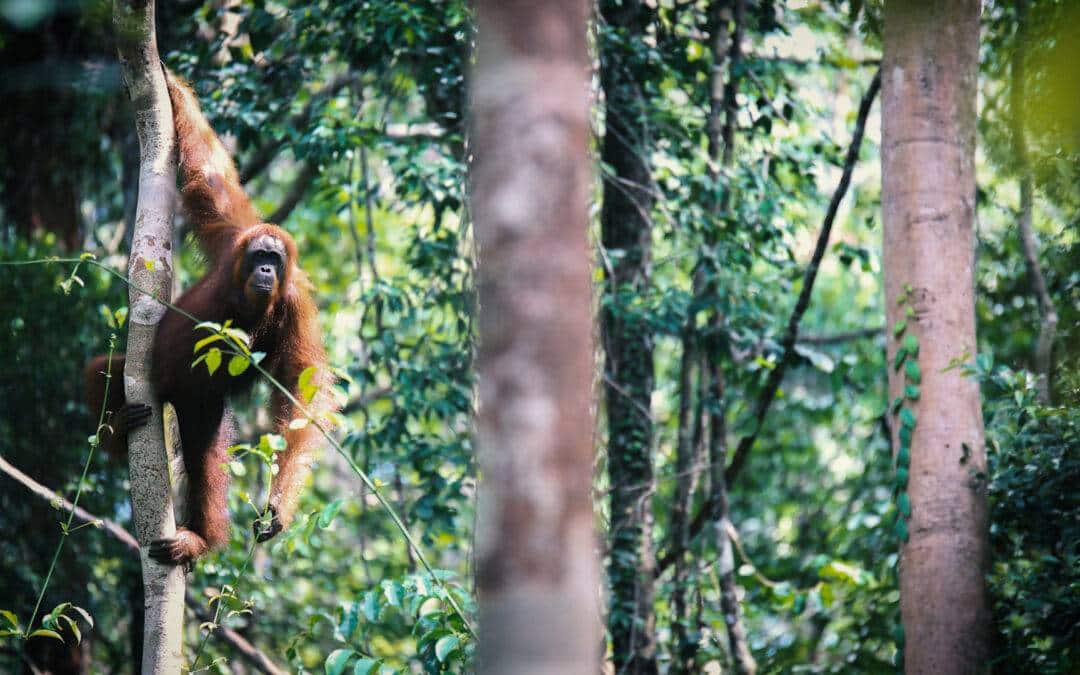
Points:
(1034, 580)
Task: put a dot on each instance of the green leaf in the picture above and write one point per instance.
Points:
(366, 666)
(326, 516)
(911, 370)
(121, 316)
(901, 478)
(901, 530)
(899, 328)
(206, 341)
(898, 360)
(897, 403)
(904, 435)
(907, 418)
(74, 628)
(338, 659)
(371, 606)
(445, 646)
(306, 384)
(238, 364)
(903, 457)
(45, 632)
(903, 502)
(911, 344)
(213, 360)
(911, 392)
(10, 619)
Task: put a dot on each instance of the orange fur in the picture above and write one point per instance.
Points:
(283, 325)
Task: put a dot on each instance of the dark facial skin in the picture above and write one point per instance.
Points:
(264, 266)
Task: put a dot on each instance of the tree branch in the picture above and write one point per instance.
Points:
(248, 651)
(772, 384)
(308, 171)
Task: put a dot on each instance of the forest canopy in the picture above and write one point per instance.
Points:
(733, 198)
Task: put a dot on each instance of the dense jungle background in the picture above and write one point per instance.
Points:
(715, 170)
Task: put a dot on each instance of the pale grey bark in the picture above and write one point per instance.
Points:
(150, 271)
(537, 573)
(928, 73)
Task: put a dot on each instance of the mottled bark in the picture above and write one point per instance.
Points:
(929, 73)
(150, 270)
(625, 233)
(537, 574)
(1044, 347)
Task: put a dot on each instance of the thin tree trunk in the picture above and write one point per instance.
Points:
(150, 269)
(929, 73)
(726, 46)
(741, 659)
(686, 456)
(537, 574)
(1044, 348)
(625, 232)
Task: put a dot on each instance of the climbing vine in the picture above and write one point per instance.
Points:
(903, 410)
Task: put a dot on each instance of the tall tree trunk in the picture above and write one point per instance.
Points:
(537, 575)
(726, 45)
(1044, 348)
(625, 233)
(929, 72)
(150, 270)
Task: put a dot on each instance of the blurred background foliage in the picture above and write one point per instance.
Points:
(347, 119)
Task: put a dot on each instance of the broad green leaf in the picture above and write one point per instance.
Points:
(911, 344)
(338, 659)
(10, 619)
(911, 370)
(911, 392)
(445, 646)
(903, 502)
(206, 341)
(371, 606)
(213, 360)
(907, 418)
(326, 516)
(45, 632)
(899, 328)
(238, 364)
(366, 666)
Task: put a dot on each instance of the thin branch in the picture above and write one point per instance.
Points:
(772, 384)
(248, 651)
(776, 375)
(843, 336)
(308, 171)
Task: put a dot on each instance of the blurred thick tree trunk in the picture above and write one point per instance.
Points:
(929, 75)
(537, 575)
(625, 232)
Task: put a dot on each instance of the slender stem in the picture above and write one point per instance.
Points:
(218, 605)
(66, 530)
